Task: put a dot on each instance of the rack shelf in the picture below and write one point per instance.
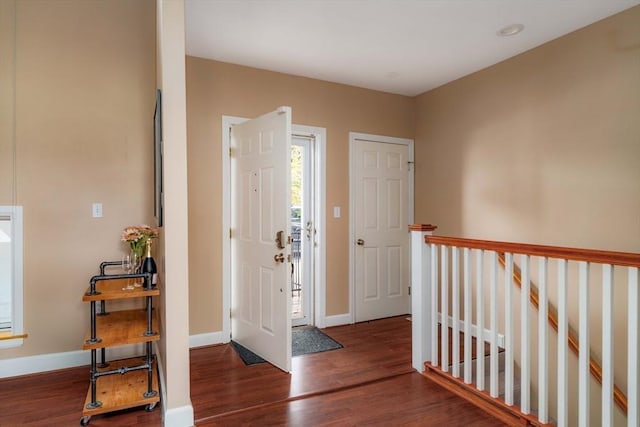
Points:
(121, 328)
(117, 392)
(125, 383)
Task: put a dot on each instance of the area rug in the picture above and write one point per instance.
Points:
(304, 340)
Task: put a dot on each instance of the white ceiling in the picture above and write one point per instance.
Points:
(399, 46)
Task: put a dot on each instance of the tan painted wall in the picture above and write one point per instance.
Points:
(543, 148)
(7, 100)
(85, 98)
(215, 89)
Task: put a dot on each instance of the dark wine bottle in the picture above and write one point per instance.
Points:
(149, 265)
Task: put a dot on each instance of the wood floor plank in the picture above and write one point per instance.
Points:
(369, 381)
(408, 399)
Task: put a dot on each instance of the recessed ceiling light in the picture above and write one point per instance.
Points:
(510, 30)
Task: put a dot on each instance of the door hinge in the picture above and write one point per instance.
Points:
(409, 290)
(230, 233)
(230, 152)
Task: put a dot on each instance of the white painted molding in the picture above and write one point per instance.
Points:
(54, 361)
(338, 320)
(179, 417)
(211, 338)
(71, 359)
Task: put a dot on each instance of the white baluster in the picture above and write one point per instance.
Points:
(607, 345)
(562, 344)
(633, 398)
(525, 365)
(444, 309)
(583, 359)
(508, 328)
(480, 321)
(466, 261)
(543, 357)
(493, 277)
(434, 305)
(455, 311)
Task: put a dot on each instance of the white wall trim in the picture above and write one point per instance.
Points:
(17, 289)
(211, 338)
(54, 361)
(338, 320)
(320, 274)
(353, 137)
(178, 417)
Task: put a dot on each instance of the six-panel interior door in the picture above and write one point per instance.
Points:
(381, 230)
(260, 283)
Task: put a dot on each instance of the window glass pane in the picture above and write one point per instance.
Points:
(6, 272)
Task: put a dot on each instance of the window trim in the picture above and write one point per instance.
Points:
(17, 309)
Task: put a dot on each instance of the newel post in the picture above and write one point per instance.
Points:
(420, 292)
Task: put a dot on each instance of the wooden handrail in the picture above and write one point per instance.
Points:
(596, 370)
(574, 254)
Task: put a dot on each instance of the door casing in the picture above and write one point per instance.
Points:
(353, 137)
(319, 204)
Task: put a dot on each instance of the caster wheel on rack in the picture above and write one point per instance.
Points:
(150, 407)
(85, 421)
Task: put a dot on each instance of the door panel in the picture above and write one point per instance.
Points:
(381, 223)
(260, 296)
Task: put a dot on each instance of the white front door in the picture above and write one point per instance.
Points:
(381, 215)
(260, 283)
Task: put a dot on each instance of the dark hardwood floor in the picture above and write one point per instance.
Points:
(370, 381)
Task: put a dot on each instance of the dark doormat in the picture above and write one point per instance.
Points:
(247, 356)
(307, 340)
(304, 340)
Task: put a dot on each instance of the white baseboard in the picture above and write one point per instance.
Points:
(71, 359)
(54, 361)
(178, 417)
(474, 330)
(338, 320)
(201, 340)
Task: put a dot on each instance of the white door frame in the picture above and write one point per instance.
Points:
(320, 195)
(307, 246)
(353, 137)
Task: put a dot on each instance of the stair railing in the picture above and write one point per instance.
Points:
(572, 341)
(444, 277)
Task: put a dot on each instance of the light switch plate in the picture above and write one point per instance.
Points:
(336, 211)
(96, 210)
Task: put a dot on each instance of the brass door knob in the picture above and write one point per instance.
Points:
(279, 258)
(360, 242)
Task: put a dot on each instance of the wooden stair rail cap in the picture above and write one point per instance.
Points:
(422, 227)
(626, 259)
